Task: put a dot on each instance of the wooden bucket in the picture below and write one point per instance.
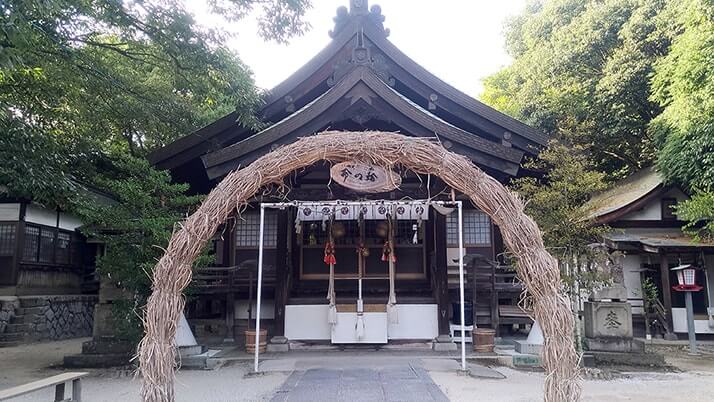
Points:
(250, 340)
(483, 340)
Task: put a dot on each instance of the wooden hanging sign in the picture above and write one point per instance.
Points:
(365, 178)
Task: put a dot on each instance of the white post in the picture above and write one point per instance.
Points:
(461, 285)
(260, 287)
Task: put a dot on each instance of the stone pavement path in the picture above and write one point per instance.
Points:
(404, 382)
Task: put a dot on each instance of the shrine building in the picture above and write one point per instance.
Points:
(355, 236)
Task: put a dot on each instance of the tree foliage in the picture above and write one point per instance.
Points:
(628, 83)
(684, 85)
(556, 200)
(88, 87)
(133, 227)
(580, 72)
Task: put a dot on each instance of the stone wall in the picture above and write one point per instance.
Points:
(41, 318)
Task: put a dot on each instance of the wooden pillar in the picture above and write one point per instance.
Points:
(19, 246)
(666, 289)
(441, 273)
(282, 272)
(229, 242)
(474, 287)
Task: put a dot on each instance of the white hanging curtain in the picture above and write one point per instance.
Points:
(392, 314)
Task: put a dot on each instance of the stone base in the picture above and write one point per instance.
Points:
(588, 360)
(528, 348)
(629, 359)
(616, 345)
(107, 345)
(527, 361)
(187, 351)
(102, 352)
(278, 344)
(443, 343)
(97, 360)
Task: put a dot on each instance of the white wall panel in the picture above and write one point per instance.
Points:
(307, 322)
(69, 222)
(41, 216)
(10, 212)
(416, 321)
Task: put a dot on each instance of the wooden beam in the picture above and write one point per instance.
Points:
(282, 272)
(666, 289)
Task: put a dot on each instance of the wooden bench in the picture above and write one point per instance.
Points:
(58, 381)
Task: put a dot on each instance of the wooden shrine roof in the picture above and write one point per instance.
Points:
(360, 64)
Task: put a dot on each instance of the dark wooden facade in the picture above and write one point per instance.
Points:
(360, 81)
(42, 252)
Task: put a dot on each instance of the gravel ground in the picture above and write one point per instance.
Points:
(31, 362)
(692, 386)
(27, 363)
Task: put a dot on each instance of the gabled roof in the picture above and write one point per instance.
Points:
(359, 38)
(315, 116)
(625, 196)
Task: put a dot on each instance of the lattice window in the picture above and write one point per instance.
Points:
(32, 242)
(477, 228)
(64, 247)
(7, 238)
(47, 245)
(248, 230)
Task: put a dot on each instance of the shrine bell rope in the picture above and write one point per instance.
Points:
(536, 268)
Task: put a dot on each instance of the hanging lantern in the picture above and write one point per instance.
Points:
(686, 278)
(382, 229)
(338, 230)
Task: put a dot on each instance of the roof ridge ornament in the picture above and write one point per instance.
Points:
(358, 11)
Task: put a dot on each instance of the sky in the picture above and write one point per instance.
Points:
(461, 41)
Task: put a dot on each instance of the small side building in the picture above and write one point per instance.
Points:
(645, 229)
(48, 287)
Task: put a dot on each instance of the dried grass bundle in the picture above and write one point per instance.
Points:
(536, 267)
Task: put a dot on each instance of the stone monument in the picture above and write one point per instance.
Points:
(608, 315)
(104, 349)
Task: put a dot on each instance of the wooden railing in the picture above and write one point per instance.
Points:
(493, 282)
(57, 381)
(236, 279)
(656, 315)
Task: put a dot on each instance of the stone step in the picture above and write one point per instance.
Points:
(11, 337)
(33, 301)
(97, 361)
(23, 319)
(28, 310)
(17, 328)
(8, 344)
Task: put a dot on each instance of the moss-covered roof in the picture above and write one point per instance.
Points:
(624, 193)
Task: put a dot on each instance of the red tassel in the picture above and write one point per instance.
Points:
(385, 251)
(330, 254)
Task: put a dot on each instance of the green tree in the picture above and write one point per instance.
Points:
(684, 85)
(555, 201)
(580, 72)
(133, 228)
(88, 87)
